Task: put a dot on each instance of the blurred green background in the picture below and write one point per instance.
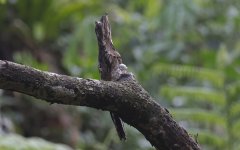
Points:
(184, 52)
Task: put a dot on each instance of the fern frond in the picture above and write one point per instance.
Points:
(216, 77)
(199, 116)
(206, 95)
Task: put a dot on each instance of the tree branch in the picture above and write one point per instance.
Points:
(124, 97)
(55, 88)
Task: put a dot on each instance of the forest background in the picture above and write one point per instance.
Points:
(184, 52)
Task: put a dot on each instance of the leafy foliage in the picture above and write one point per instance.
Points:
(214, 108)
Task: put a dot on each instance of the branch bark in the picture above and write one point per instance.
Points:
(122, 96)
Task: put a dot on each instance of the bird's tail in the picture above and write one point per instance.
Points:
(119, 126)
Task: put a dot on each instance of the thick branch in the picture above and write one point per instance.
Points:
(55, 88)
(127, 99)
